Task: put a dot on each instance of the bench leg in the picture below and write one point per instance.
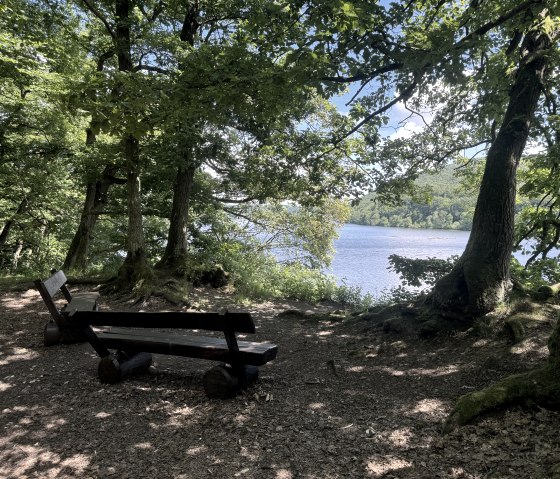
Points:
(116, 367)
(54, 334)
(225, 381)
(220, 382)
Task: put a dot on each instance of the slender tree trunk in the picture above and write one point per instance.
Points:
(17, 255)
(481, 277)
(94, 204)
(176, 249)
(96, 193)
(10, 222)
(135, 263)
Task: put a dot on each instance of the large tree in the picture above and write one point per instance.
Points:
(481, 277)
(473, 72)
(129, 87)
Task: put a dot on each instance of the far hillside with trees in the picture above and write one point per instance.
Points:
(438, 201)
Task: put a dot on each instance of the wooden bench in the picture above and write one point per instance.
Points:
(56, 331)
(135, 334)
(125, 341)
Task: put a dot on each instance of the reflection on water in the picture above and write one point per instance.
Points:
(362, 252)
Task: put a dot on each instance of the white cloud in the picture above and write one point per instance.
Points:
(407, 130)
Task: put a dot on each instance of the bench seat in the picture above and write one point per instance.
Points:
(177, 344)
(82, 302)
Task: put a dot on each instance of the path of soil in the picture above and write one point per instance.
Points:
(342, 400)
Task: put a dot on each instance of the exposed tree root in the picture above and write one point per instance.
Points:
(541, 386)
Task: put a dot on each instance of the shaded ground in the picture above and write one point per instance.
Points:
(342, 400)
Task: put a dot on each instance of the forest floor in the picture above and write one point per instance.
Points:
(343, 399)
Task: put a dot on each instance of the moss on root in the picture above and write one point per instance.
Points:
(515, 389)
(541, 386)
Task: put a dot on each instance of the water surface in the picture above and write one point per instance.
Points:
(362, 252)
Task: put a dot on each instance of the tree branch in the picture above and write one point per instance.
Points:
(482, 30)
(231, 200)
(150, 68)
(99, 15)
(365, 76)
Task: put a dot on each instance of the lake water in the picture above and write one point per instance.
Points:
(362, 252)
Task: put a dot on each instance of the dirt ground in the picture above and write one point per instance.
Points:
(342, 400)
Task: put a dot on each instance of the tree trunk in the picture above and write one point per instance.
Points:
(96, 193)
(481, 277)
(94, 204)
(176, 248)
(5, 232)
(135, 265)
(17, 255)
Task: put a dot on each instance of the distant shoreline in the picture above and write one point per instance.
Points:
(413, 227)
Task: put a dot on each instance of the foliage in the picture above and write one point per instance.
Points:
(38, 138)
(538, 222)
(421, 272)
(536, 273)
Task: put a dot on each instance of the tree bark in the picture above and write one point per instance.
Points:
(96, 193)
(94, 204)
(481, 277)
(177, 242)
(5, 232)
(135, 264)
(176, 249)
(17, 255)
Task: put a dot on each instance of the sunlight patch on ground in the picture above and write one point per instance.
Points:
(442, 371)
(378, 467)
(56, 423)
(242, 472)
(392, 371)
(283, 474)
(481, 343)
(246, 453)
(400, 437)
(4, 386)
(20, 301)
(16, 460)
(460, 473)
(143, 445)
(355, 369)
(430, 407)
(529, 347)
(183, 411)
(240, 419)
(103, 415)
(18, 354)
(196, 450)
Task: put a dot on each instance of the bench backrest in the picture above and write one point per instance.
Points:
(238, 322)
(49, 288)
